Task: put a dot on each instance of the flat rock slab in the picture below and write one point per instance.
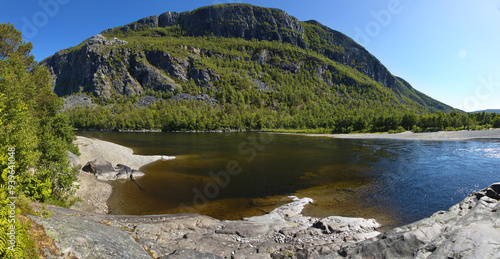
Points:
(83, 238)
(189, 254)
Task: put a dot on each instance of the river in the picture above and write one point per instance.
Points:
(236, 175)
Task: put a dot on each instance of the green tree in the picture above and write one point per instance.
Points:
(31, 125)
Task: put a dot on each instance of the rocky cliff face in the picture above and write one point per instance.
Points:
(233, 20)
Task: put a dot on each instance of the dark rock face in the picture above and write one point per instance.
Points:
(233, 20)
(94, 68)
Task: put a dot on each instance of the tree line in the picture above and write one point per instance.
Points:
(199, 116)
(34, 138)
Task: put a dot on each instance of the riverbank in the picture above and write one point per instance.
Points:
(469, 229)
(94, 193)
(492, 135)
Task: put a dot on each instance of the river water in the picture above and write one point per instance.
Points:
(236, 175)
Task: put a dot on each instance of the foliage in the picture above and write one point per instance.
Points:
(35, 134)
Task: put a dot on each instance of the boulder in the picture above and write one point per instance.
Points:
(103, 170)
(99, 166)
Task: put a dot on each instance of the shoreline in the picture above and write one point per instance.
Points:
(492, 135)
(95, 193)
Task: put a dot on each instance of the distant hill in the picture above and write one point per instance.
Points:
(245, 57)
(488, 111)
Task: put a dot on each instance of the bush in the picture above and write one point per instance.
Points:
(496, 122)
(416, 129)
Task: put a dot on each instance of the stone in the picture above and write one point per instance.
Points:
(99, 167)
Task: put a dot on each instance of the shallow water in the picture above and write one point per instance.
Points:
(236, 175)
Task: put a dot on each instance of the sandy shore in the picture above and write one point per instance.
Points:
(475, 135)
(95, 193)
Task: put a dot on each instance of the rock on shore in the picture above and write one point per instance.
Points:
(94, 193)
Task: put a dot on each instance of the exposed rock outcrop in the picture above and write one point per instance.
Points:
(231, 20)
(469, 229)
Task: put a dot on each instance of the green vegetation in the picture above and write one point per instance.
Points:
(199, 116)
(35, 135)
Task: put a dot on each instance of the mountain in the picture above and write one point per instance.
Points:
(488, 111)
(237, 54)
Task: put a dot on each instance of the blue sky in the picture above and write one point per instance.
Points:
(447, 49)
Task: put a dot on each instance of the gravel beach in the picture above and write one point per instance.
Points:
(464, 135)
(95, 193)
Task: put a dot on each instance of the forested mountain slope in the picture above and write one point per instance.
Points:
(248, 67)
